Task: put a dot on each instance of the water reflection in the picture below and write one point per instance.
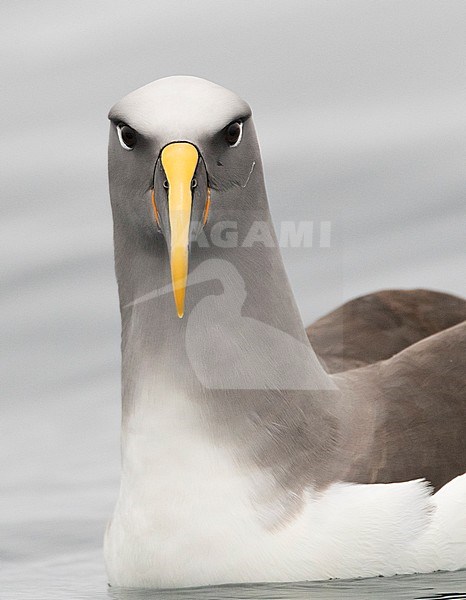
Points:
(414, 587)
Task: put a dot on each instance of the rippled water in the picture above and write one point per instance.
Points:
(79, 576)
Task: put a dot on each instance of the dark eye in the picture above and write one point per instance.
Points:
(127, 136)
(233, 133)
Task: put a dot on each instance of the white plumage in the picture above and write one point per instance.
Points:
(186, 516)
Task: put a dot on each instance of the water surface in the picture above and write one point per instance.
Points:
(360, 113)
(79, 576)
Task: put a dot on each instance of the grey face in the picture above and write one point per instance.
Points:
(177, 147)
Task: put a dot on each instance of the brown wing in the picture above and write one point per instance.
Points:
(418, 406)
(377, 326)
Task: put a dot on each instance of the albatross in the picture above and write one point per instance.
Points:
(245, 456)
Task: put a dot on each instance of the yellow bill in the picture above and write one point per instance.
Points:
(179, 161)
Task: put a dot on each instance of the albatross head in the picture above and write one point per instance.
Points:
(173, 144)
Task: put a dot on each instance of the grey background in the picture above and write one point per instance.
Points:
(361, 112)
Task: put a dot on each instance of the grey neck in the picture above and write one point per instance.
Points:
(240, 353)
(238, 278)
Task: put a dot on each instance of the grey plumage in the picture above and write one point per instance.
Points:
(241, 354)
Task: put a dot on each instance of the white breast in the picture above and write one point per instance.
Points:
(187, 515)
